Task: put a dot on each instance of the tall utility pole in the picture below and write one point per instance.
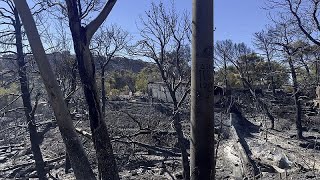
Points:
(202, 136)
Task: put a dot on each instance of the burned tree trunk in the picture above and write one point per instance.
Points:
(81, 39)
(103, 92)
(102, 143)
(225, 73)
(263, 106)
(249, 167)
(181, 141)
(273, 86)
(78, 158)
(26, 99)
(296, 99)
(67, 100)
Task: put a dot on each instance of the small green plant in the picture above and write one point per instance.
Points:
(115, 92)
(12, 88)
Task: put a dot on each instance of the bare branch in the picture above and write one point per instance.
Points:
(9, 104)
(294, 11)
(92, 27)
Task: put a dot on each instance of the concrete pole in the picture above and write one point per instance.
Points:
(202, 142)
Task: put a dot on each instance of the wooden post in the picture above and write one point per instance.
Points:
(202, 137)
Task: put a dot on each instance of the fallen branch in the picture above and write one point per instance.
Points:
(17, 166)
(150, 147)
(249, 167)
(9, 104)
(84, 133)
(147, 146)
(135, 120)
(30, 163)
(11, 146)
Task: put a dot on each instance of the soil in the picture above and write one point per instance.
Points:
(131, 123)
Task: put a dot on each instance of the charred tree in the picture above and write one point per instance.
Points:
(29, 111)
(108, 43)
(81, 40)
(78, 158)
(263, 41)
(296, 98)
(223, 51)
(165, 42)
(284, 37)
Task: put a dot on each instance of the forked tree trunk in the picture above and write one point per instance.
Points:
(78, 158)
(106, 161)
(26, 99)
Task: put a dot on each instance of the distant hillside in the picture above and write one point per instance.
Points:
(126, 64)
(57, 58)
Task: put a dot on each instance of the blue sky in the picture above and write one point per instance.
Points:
(233, 19)
(239, 19)
(126, 13)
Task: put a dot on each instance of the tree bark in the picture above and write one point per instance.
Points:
(225, 73)
(263, 106)
(103, 92)
(296, 99)
(67, 100)
(249, 167)
(26, 99)
(78, 158)
(81, 40)
(317, 71)
(182, 143)
(178, 128)
(202, 104)
(102, 143)
(271, 78)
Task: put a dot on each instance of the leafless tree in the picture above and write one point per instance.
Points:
(109, 42)
(305, 15)
(284, 36)
(82, 36)
(223, 51)
(315, 52)
(263, 41)
(241, 60)
(79, 161)
(164, 40)
(79, 13)
(14, 38)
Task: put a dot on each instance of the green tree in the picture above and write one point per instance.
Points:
(122, 81)
(141, 83)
